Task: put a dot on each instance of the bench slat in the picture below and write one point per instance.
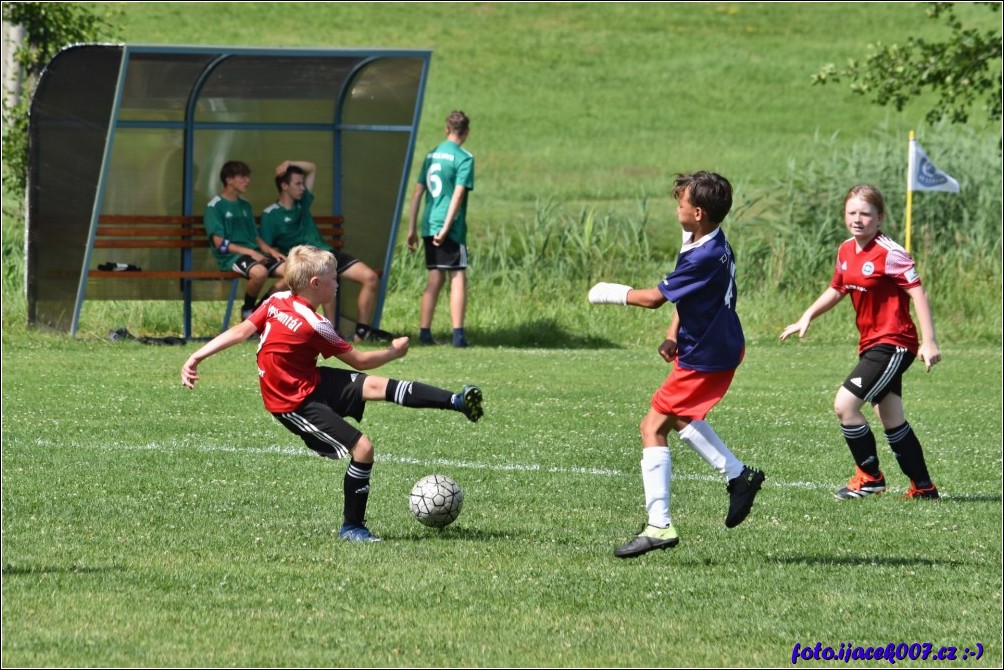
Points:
(104, 243)
(162, 274)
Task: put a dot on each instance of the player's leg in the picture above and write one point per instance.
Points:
(257, 275)
(690, 395)
(868, 478)
(458, 306)
(369, 285)
(418, 395)
(328, 434)
(868, 382)
(279, 272)
(429, 298)
(275, 269)
(906, 446)
(656, 475)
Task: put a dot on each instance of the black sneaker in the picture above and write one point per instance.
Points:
(469, 402)
(426, 340)
(380, 335)
(652, 537)
(742, 490)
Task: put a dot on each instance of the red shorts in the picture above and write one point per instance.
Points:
(691, 394)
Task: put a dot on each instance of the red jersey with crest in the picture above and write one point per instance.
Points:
(877, 278)
(292, 335)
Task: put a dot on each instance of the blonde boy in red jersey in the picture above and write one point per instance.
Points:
(881, 278)
(310, 400)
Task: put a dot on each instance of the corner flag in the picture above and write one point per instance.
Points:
(925, 175)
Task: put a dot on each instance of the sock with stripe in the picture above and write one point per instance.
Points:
(861, 441)
(418, 395)
(357, 492)
(909, 454)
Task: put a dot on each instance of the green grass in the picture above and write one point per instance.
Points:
(148, 525)
(599, 103)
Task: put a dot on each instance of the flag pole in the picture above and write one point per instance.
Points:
(909, 193)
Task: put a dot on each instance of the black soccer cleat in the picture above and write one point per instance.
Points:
(742, 490)
(468, 401)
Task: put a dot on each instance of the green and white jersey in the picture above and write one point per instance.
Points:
(230, 220)
(285, 228)
(446, 167)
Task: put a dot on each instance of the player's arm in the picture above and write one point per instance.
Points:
(234, 335)
(823, 304)
(605, 293)
(459, 193)
(309, 170)
(649, 298)
(227, 247)
(929, 351)
(367, 360)
(668, 348)
(416, 201)
(270, 250)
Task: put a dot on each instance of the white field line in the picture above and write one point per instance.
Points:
(431, 463)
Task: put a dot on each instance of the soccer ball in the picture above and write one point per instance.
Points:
(436, 501)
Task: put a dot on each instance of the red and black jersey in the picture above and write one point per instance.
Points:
(292, 335)
(877, 278)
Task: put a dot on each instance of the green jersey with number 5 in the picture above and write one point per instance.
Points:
(446, 167)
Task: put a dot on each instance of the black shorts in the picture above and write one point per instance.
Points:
(244, 264)
(318, 421)
(449, 255)
(879, 372)
(345, 261)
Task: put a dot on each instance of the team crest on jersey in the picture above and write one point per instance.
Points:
(868, 269)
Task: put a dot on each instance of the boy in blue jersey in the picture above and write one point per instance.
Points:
(446, 177)
(705, 340)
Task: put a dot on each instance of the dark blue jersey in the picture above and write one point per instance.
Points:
(703, 287)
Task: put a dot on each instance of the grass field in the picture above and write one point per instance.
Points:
(146, 525)
(599, 103)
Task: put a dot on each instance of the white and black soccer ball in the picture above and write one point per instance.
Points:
(436, 501)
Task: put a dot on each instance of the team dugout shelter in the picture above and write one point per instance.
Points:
(143, 130)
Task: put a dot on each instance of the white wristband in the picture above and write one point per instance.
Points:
(605, 293)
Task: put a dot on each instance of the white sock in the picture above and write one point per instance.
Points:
(656, 471)
(702, 438)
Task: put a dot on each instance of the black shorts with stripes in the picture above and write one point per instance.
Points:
(879, 372)
(318, 421)
(449, 255)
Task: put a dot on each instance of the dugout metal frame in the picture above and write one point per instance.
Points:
(144, 129)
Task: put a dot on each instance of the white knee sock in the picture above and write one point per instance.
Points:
(656, 471)
(702, 438)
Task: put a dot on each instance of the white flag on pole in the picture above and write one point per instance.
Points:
(925, 175)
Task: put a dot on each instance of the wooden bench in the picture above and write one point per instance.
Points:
(185, 234)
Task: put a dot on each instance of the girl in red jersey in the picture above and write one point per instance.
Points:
(882, 280)
(311, 400)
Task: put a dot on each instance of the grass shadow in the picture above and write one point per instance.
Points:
(855, 561)
(971, 498)
(537, 334)
(23, 570)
